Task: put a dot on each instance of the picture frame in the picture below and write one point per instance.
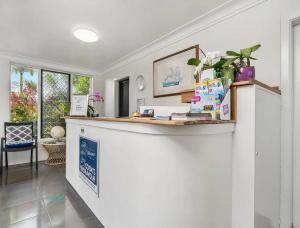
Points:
(89, 156)
(140, 102)
(172, 74)
(79, 105)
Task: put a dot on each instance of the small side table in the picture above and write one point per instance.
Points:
(57, 153)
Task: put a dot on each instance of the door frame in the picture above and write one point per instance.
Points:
(121, 80)
(287, 98)
(116, 94)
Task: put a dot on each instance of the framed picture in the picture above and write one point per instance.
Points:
(140, 102)
(79, 105)
(172, 75)
(89, 153)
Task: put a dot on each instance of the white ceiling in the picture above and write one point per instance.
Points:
(43, 28)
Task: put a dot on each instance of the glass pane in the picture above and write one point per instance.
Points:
(81, 84)
(24, 95)
(55, 100)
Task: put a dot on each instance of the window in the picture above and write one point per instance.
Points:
(24, 94)
(55, 100)
(81, 84)
(55, 92)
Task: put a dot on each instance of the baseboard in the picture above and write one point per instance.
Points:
(21, 164)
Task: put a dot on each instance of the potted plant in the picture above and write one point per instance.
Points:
(241, 61)
(224, 71)
(220, 70)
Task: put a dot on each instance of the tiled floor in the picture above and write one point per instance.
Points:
(29, 199)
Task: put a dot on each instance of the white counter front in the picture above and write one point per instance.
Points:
(155, 176)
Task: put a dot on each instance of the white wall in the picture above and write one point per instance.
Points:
(239, 26)
(98, 86)
(296, 191)
(4, 94)
(5, 62)
(267, 159)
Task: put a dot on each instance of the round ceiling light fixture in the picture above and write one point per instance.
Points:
(86, 35)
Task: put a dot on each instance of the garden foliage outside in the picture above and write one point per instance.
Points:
(55, 96)
(23, 95)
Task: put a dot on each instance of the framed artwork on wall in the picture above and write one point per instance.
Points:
(172, 75)
(140, 102)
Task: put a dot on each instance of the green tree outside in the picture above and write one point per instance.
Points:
(81, 84)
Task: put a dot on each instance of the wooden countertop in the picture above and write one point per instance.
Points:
(152, 121)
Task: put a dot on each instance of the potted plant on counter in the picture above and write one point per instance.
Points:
(207, 63)
(241, 61)
(224, 71)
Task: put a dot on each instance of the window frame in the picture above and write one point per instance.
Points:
(41, 95)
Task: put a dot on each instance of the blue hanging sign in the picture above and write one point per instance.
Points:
(89, 162)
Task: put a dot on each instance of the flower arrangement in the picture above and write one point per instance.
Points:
(204, 63)
(235, 66)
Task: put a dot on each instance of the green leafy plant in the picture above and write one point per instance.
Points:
(81, 84)
(194, 62)
(224, 71)
(243, 57)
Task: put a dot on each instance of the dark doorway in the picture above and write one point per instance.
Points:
(124, 97)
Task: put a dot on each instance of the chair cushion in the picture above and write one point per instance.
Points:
(21, 144)
(18, 134)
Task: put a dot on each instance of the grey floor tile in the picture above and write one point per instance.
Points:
(49, 190)
(62, 214)
(23, 175)
(39, 221)
(41, 199)
(24, 187)
(18, 213)
(85, 223)
(12, 200)
(92, 223)
(67, 198)
(55, 199)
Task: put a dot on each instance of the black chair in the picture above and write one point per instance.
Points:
(18, 137)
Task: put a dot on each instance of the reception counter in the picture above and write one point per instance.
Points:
(166, 174)
(174, 174)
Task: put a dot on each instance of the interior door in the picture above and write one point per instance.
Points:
(124, 98)
(296, 195)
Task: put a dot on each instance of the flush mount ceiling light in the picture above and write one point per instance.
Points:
(86, 35)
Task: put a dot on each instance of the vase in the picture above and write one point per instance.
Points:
(245, 74)
(229, 73)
